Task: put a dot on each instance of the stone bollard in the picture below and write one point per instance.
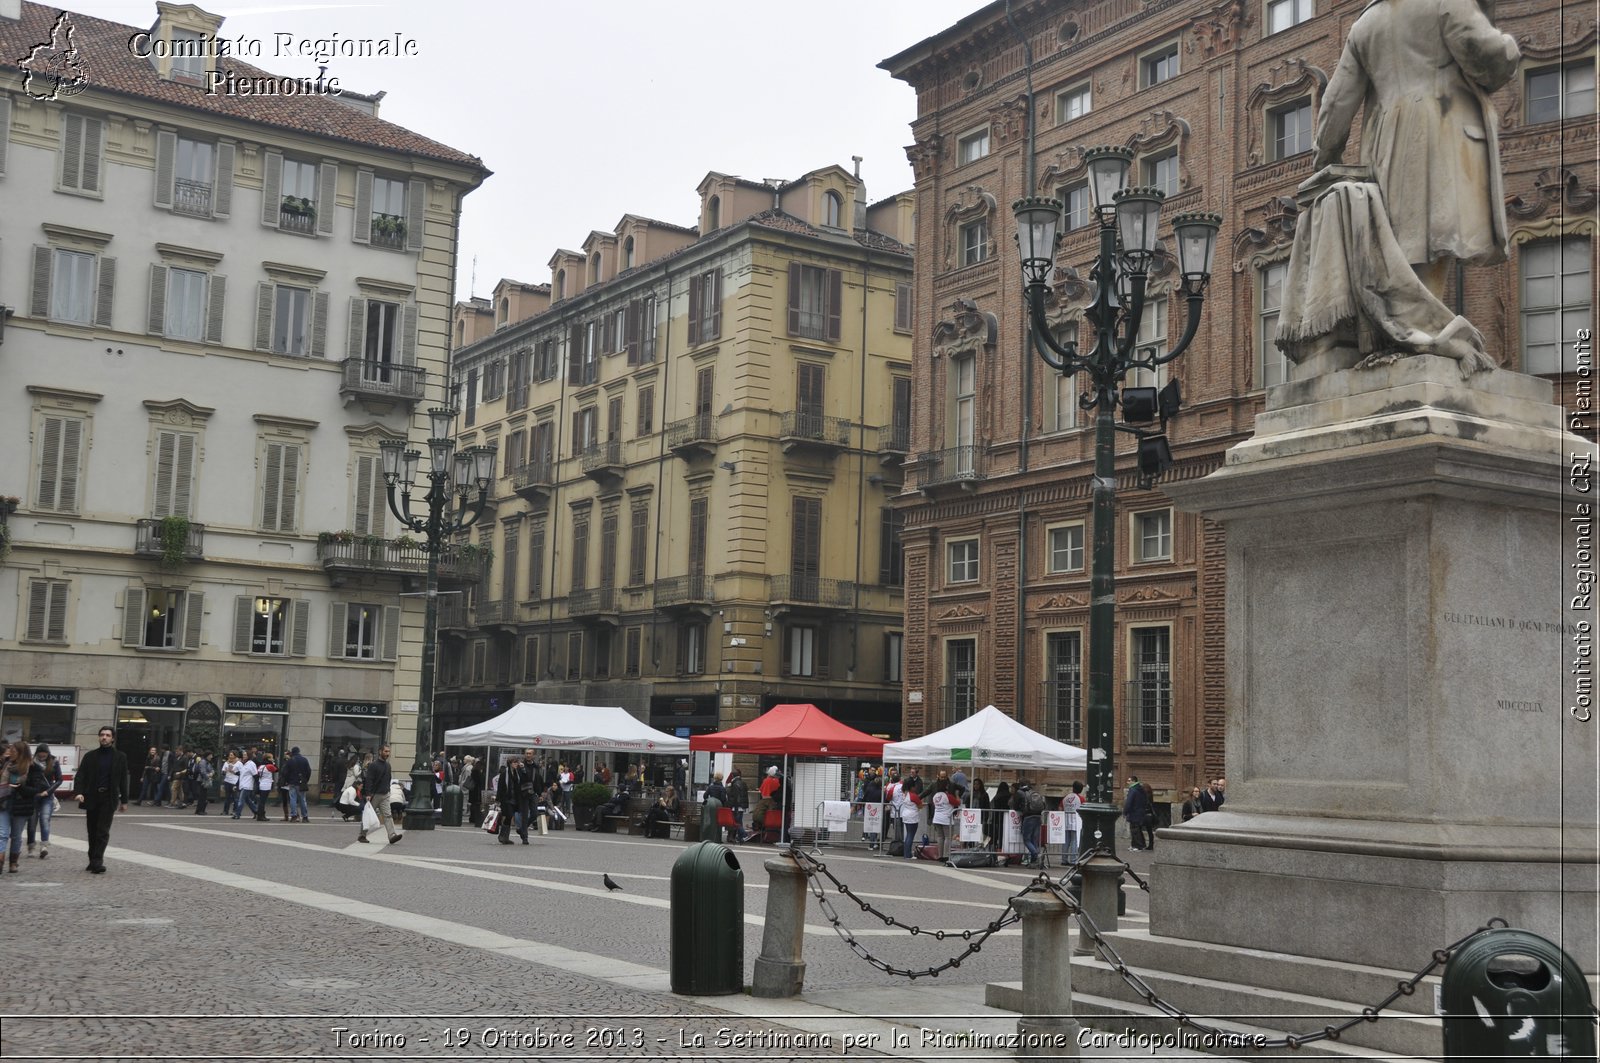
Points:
(1101, 878)
(780, 972)
(1046, 1029)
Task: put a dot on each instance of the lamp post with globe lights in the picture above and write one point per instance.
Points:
(451, 477)
(1127, 219)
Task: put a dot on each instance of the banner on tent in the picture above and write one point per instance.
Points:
(1056, 825)
(971, 824)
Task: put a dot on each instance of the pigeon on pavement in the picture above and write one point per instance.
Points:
(609, 884)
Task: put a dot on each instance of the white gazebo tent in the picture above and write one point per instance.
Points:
(988, 737)
(587, 727)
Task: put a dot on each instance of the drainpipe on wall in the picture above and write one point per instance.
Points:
(1029, 182)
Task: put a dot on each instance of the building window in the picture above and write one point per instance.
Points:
(594, 268)
(1073, 102)
(1151, 342)
(72, 287)
(1066, 548)
(902, 306)
(360, 634)
(713, 214)
(814, 295)
(891, 554)
(1152, 535)
(380, 344)
(1149, 704)
(82, 139)
(174, 480)
(806, 653)
(280, 487)
(47, 611)
(560, 286)
(638, 543)
(963, 560)
(1079, 210)
(194, 169)
(974, 242)
(894, 656)
(1565, 91)
(832, 209)
(1159, 65)
(269, 626)
(61, 443)
(632, 652)
(291, 319)
(961, 679)
(1161, 171)
(574, 656)
(647, 330)
(1556, 294)
(964, 370)
(647, 412)
(602, 653)
(1271, 365)
(1061, 394)
(1063, 686)
(972, 147)
(160, 624)
(692, 649)
(1281, 14)
(1289, 129)
(627, 253)
(705, 307)
(388, 212)
(188, 57)
(184, 315)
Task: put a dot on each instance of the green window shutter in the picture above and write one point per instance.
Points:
(106, 284)
(416, 207)
(319, 324)
(695, 284)
(361, 228)
(39, 298)
(714, 331)
(222, 191)
(327, 196)
(156, 319)
(133, 616)
(300, 627)
(166, 166)
(272, 188)
(391, 633)
(243, 622)
(338, 618)
(216, 304)
(194, 611)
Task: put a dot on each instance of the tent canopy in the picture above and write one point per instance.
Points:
(792, 730)
(540, 725)
(988, 737)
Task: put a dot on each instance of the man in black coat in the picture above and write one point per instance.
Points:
(102, 788)
(513, 789)
(376, 785)
(296, 777)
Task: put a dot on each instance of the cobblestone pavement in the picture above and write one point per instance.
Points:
(217, 939)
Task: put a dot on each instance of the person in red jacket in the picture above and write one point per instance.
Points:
(771, 788)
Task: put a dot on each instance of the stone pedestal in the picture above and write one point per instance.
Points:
(1402, 764)
(1102, 884)
(1046, 1029)
(779, 970)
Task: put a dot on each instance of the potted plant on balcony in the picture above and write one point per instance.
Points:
(586, 796)
(299, 207)
(387, 225)
(172, 533)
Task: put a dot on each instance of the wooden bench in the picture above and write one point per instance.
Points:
(614, 824)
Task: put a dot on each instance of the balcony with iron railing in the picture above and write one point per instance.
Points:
(957, 701)
(366, 378)
(535, 479)
(1147, 711)
(961, 466)
(191, 197)
(453, 613)
(498, 614)
(697, 433)
(367, 555)
(811, 591)
(603, 460)
(1063, 710)
(149, 540)
(593, 604)
(683, 592)
(894, 442)
(388, 231)
(297, 219)
(812, 429)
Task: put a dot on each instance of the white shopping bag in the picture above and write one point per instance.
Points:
(369, 818)
(1056, 828)
(872, 819)
(971, 822)
(1011, 836)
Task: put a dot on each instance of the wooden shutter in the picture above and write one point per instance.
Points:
(699, 512)
(60, 446)
(695, 286)
(632, 643)
(72, 150)
(575, 355)
(216, 306)
(338, 620)
(647, 411)
(319, 324)
(714, 330)
(264, 300)
(703, 385)
(638, 544)
(174, 472)
(902, 307)
(577, 432)
(390, 645)
(356, 339)
(368, 516)
(272, 189)
(795, 275)
(299, 626)
(361, 227)
(194, 611)
(38, 609)
(809, 382)
(834, 292)
(106, 282)
(222, 191)
(49, 463)
(536, 564)
(819, 651)
(580, 554)
(614, 418)
(156, 320)
(271, 477)
(408, 334)
(39, 299)
(243, 622)
(608, 550)
(280, 487)
(133, 616)
(166, 166)
(291, 488)
(327, 196)
(805, 543)
(630, 338)
(416, 205)
(508, 564)
(902, 408)
(5, 129)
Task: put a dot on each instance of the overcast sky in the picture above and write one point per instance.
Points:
(588, 111)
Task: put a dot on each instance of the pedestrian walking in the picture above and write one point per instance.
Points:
(248, 770)
(230, 781)
(296, 777)
(266, 779)
(178, 792)
(45, 805)
(150, 780)
(1030, 804)
(1070, 805)
(472, 783)
(200, 775)
(1136, 810)
(738, 802)
(1192, 807)
(376, 784)
(101, 786)
(515, 804)
(22, 780)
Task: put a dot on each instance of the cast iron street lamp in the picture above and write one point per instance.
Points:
(1128, 219)
(452, 474)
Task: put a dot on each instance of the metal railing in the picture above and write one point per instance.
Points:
(534, 475)
(958, 700)
(382, 556)
(364, 376)
(682, 590)
(147, 540)
(894, 439)
(592, 601)
(388, 230)
(811, 590)
(814, 426)
(191, 197)
(500, 612)
(602, 455)
(953, 465)
(1063, 709)
(297, 222)
(690, 431)
(453, 612)
(1147, 710)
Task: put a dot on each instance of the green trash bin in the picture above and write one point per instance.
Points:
(1509, 993)
(450, 806)
(707, 921)
(708, 820)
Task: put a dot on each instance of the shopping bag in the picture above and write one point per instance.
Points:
(491, 822)
(369, 818)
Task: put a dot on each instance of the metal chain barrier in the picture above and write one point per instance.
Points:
(816, 870)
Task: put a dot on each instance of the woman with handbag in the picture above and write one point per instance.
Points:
(45, 804)
(23, 782)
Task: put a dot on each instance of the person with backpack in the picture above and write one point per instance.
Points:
(296, 777)
(1030, 803)
(45, 806)
(738, 802)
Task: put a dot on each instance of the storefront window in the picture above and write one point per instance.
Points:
(35, 716)
(139, 729)
(264, 730)
(346, 740)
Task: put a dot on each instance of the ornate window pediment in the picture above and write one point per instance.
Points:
(967, 330)
(971, 204)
